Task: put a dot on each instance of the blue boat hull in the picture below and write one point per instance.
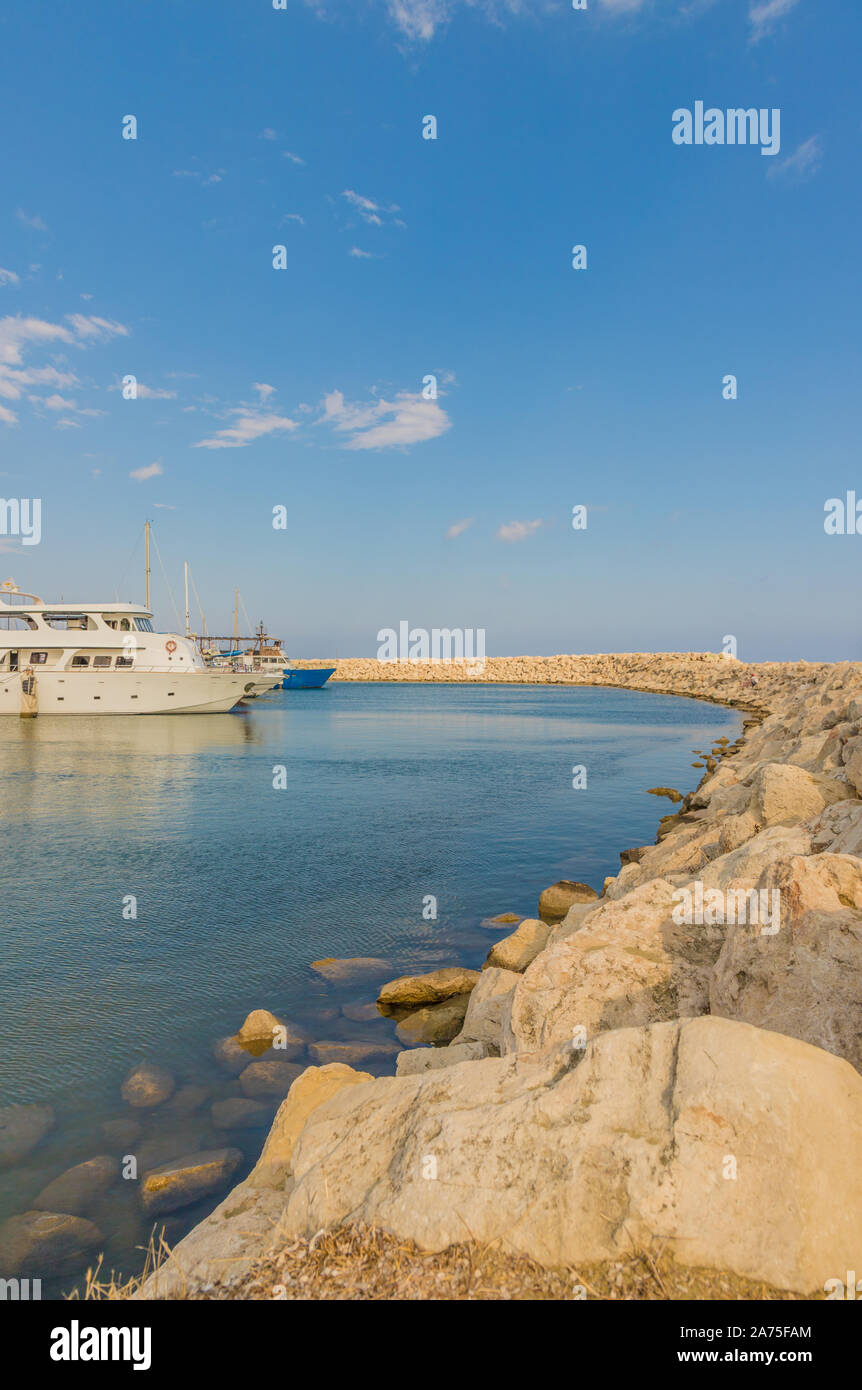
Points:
(306, 680)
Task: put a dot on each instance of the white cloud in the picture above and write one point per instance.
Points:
(382, 424)
(251, 423)
(458, 528)
(371, 212)
(268, 133)
(294, 158)
(802, 164)
(263, 390)
(292, 217)
(8, 277)
(152, 470)
(55, 402)
(91, 326)
(147, 393)
(360, 255)
(517, 530)
(8, 416)
(764, 14)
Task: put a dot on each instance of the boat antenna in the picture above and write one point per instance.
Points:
(188, 618)
(147, 565)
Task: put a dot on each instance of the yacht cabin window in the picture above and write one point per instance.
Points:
(80, 661)
(101, 661)
(38, 658)
(125, 661)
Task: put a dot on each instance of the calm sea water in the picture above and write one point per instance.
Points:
(394, 792)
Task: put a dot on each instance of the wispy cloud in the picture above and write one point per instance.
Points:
(203, 179)
(292, 217)
(147, 393)
(8, 277)
(250, 423)
(517, 530)
(22, 334)
(151, 470)
(763, 15)
(458, 528)
(29, 220)
(268, 133)
(802, 164)
(358, 254)
(381, 424)
(294, 158)
(370, 211)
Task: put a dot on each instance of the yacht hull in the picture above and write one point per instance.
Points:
(127, 692)
(306, 680)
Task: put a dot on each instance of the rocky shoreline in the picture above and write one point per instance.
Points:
(674, 1063)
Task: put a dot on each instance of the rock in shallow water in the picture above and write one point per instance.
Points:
(515, 952)
(436, 1023)
(268, 1079)
(336, 970)
(555, 902)
(147, 1085)
(187, 1179)
(241, 1113)
(22, 1127)
(44, 1244)
(349, 1053)
(413, 991)
(74, 1190)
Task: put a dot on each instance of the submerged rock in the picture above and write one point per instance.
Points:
(436, 1023)
(268, 1079)
(555, 901)
(360, 1013)
(348, 1053)
(230, 1055)
(413, 991)
(121, 1134)
(76, 1189)
(147, 1086)
(44, 1244)
(336, 970)
(241, 1113)
(187, 1179)
(22, 1127)
(262, 1031)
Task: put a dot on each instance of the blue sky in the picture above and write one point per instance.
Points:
(408, 257)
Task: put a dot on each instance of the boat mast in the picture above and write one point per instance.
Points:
(147, 564)
(235, 616)
(188, 619)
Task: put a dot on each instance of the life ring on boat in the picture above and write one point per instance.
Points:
(170, 646)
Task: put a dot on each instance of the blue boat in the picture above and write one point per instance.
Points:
(306, 680)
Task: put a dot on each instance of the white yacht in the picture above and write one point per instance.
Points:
(67, 658)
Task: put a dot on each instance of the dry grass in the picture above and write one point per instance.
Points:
(98, 1286)
(365, 1264)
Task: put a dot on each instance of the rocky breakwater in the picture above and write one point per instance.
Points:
(674, 1065)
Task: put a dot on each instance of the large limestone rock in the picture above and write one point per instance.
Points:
(44, 1244)
(422, 1059)
(414, 991)
(22, 1127)
(806, 979)
(187, 1179)
(787, 795)
(221, 1249)
(147, 1086)
(736, 1147)
(555, 901)
(75, 1190)
(515, 952)
(487, 1017)
(630, 964)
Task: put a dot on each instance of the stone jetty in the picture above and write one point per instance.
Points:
(674, 1065)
